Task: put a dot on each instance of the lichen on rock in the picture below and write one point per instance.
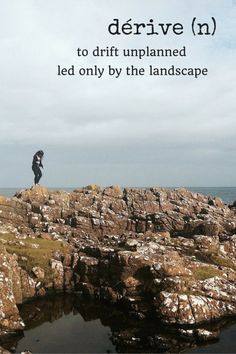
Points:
(155, 251)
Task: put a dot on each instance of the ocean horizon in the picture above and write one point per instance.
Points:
(227, 194)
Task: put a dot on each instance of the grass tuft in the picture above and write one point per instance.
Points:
(205, 272)
(29, 257)
(222, 261)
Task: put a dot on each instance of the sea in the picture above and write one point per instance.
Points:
(61, 326)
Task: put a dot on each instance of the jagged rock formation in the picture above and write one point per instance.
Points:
(96, 211)
(158, 252)
(10, 279)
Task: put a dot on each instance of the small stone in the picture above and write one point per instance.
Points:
(204, 335)
(38, 272)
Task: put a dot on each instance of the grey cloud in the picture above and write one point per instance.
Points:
(145, 128)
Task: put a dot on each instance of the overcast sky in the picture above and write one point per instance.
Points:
(148, 131)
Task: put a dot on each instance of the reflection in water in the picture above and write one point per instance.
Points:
(227, 343)
(69, 324)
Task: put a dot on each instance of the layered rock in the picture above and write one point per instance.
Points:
(96, 211)
(158, 277)
(10, 290)
(158, 252)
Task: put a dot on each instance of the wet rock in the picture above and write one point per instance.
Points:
(28, 285)
(86, 289)
(204, 335)
(68, 279)
(161, 342)
(4, 351)
(108, 294)
(88, 269)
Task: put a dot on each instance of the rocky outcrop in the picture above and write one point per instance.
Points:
(93, 211)
(158, 276)
(168, 254)
(10, 290)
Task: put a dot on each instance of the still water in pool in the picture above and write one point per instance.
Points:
(70, 324)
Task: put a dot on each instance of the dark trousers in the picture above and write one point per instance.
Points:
(37, 173)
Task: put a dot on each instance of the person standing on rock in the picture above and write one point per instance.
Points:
(36, 164)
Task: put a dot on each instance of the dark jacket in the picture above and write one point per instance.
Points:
(37, 161)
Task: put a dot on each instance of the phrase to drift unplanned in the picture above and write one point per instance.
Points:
(99, 72)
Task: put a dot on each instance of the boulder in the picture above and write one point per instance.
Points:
(36, 193)
(10, 319)
(57, 274)
(38, 272)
